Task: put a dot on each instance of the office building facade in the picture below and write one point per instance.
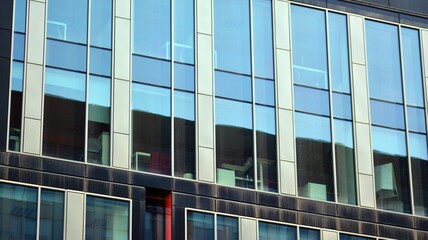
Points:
(213, 119)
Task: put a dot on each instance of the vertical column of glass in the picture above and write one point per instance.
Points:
(391, 167)
(51, 225)
(15, 119)
(200, 226)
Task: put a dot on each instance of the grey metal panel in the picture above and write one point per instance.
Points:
(121, 106)
(364, 151)
(288, 178)
(121, 150)
(366, 190)
(285, 83)
(425, 50)
(329, 235)
(36, 32)
(286, 135)
(205, 121)
(123, 9)
(361, 98)
(74, 216)
(32, 136)
(206, 164)
(204, 16)
(282, 27)
(33, 91)
(122, 46)
(248, 229)
(205, 64)
(357, 40)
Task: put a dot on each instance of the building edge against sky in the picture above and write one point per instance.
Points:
(217, 119)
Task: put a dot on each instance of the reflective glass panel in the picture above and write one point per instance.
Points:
(308, 34)
(314, 157)
(151, 128)
(234, 143)
(68, 20)
(183, 31)
(265, 93)
(232, 36)
(184, 134)
(15, 117)
(227, 228)
(309, 234)
(383, 60)
(151, 71)
(350, 237)
(262, 38)
(151, 24)
(233, 86)
(200, 226)
(311, 100)
(342, 106)
(416, 119)
(419, 159)
(106, 218)
(271, 231)
(184, 77)
(20, 15)
(100, 62)
(101, 23)
(155, 215)
(18, 46)
(66, 55)
(51, 215)
(387, 114)
(391, 170)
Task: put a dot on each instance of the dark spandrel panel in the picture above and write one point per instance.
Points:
(68, 20)
(400, 220)
(419, 160)
(100, 61)
(262, 38)
(151, 71)
(264, 91)
(200, 226)
(6, 14)
(184, 31)
(413, 21)
(309, 234)
(15, 117)
(311, 100)
(151, 128)
(233, 86)
(387, 114)
(101, 23)
(342, 106)
(350, 237)
(416, 119)
(51, 215)
(227, 227)
(184, 77)
(5, 43)
(271, 231)
(66, 55)
(18, 46)
(414, 6)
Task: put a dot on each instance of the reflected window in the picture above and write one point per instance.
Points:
(309, 234)
(200, 226)
(350, 237)
(227, 228)
(272, 231)
(51, 215)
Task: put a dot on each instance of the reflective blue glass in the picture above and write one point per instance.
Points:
(342, 106)
(66, 55)
(265, 93)
(151, 24)
(227, 228)
(387, 114)
(271, 231)
(101, 23)
(233, 86)
(51, 215)
(152, 71)
(262, 38)
(343, 135)
(350, 237)
(233, 113)
(418, 146)
(65, 84)
(308, 33)
(100, 61)
(17, 76)
(232, 36)
(383, 60)
(200, 226)
(312, 127)
(339, 59)
(183, 31)
(151, 99)
(184, 105)
(311, 100)
(184, 77)
(18, 46)
(412, 66)
(20, 15)
(309, 234)
(68, 20)
(416, 119)
(389, 141)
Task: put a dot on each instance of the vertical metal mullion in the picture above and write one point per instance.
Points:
(88, 45)
(113, 33)
(64, 224)
(172, 87)
(38, 213)
(195, 84)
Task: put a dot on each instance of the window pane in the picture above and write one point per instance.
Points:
(419, 158)
(318, 103)
(100, 62)
(20, 15)
(234, 143)
(183, 31)
(101, 14)
(66, 55)
(416, 119)
(15, 117)
(155, 215)
(339, 59)
(68, 20)
(184, 134)
(391, 170)
(18, 46)
(151, 128)
(342, 106)
(232, 36)
(18, 212)
(151, 28)
(271, 231)
(51, 215)
(64, 114)
(200, 226)
(233, 86)
(349, 237)
(309, 234)
(265, 93)
(345, 163)
(412, 66)
(387, 114)
(227, 228)
(99, 120)
(151, 71)
(262, 38)
(266, 149)
(383, 60)
(106, 218)
(314, 157)
(309, 47)
(184, 77)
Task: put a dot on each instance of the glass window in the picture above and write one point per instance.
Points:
(419, 160)
(66, 55)
(350, 237)
(101, 22)
(271, 231)
(200, 226)
(100, 62)
(309, 234)
(15, 117)
(151, 71)
(184, 77)
(18, 46)
(342, 106)
(264, 91)
(234, 86)
(227, 228)
(416, 119)
(308, 34)
(317, 103)
(183, 31)
(106, 218)
(387, 114)
(262, 38)
(51, 215)
(20, 15)
(155, 218)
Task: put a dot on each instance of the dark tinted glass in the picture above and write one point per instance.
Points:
(416, 119)
(200, 226)
(18, 46)
(66, 55)
(387, 114)
(155, 219)
(183, 31)
(271, 231)
(342, 106)
(233, 86)
(419, 159)
(151, 71)
(311, 100)
(309, 234)
(184, 77)
(51, 215)
(262, 38)
(100, 61)
(349, 237)
(101, 23)
(227, 228)
(265, 93)
(15, 117)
